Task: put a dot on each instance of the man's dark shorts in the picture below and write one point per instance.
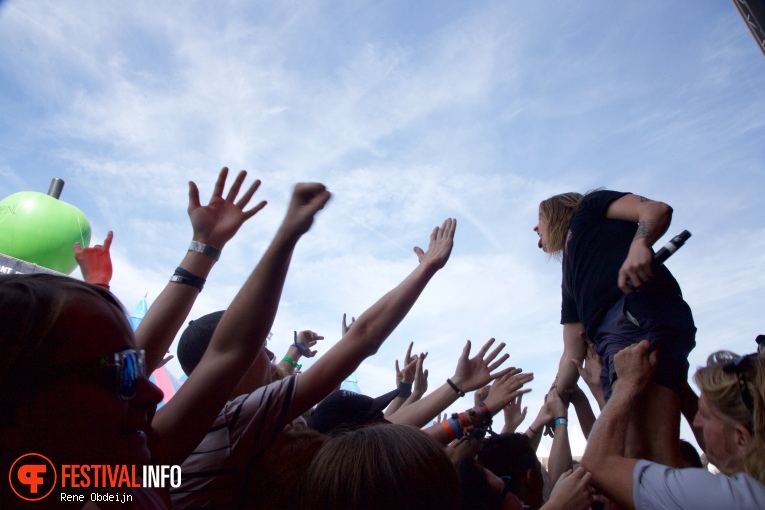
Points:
(665, 321)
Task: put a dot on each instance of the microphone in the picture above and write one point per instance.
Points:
(671, 247)
(666, 251)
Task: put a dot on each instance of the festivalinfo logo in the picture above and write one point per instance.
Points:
(33, 477)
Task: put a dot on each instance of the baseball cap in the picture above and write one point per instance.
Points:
(195, 339)
(346, 410)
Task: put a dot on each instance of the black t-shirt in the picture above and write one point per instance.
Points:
(595, 250)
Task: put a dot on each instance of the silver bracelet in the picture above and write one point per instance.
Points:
(205, 249)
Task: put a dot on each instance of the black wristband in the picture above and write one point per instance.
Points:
(404, 389)
(455, 388)
(186, 278)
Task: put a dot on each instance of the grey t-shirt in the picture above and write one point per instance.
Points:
(661, 487)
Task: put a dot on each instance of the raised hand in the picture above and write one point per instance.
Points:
(305, 340)
(345, 326)
(636, 364)
(514, 416)
(507, 388)
(95, 262)
(440, 247)
(572, 491)
(557, 406)
(420, 376)
(308, 198)
(543, 420)
(410, 365)
(473, 373)
(590, 370)
(216, 223)
(481, 394)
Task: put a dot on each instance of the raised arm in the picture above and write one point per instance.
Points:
(238, 338)
(213, 226)
(301, 346)
(471, 374)
(653, 219)
(404, 381)
(583, 410)
(543, 420)
(574, 348)
(502, 391)
(604, 455)
(371, 329)
(420, 380)
(560, 453)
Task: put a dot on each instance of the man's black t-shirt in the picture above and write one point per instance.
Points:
(595, 250)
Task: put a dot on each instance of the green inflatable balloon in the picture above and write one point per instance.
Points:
(40, 229)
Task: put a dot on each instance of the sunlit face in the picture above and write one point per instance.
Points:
(720, 438)
(81, 419)
(541, 230)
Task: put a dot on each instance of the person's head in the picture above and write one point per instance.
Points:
(194, 342)
(72, 385)
(732, 412)
(689, 455)
(195, 339)
(280, 469)
(346, 410)
(512, 455)
(555, 214)
(381, 467)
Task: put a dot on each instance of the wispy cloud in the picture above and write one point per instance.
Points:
(410, 114)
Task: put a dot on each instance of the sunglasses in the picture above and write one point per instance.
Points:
(737, 367)
(123, 369)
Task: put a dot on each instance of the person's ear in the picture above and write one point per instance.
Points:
(529, 476)
(743, 438)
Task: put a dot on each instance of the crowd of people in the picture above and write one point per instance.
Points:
(250, 430)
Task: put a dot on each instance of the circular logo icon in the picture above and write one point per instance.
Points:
(32, 477)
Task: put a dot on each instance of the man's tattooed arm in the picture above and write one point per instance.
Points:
(645, 229)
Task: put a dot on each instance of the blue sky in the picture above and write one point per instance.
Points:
(409, 114)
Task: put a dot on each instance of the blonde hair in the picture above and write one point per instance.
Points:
(721, 389)
(557, 212)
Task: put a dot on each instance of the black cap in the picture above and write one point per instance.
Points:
(346, 410)
(195, 339)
